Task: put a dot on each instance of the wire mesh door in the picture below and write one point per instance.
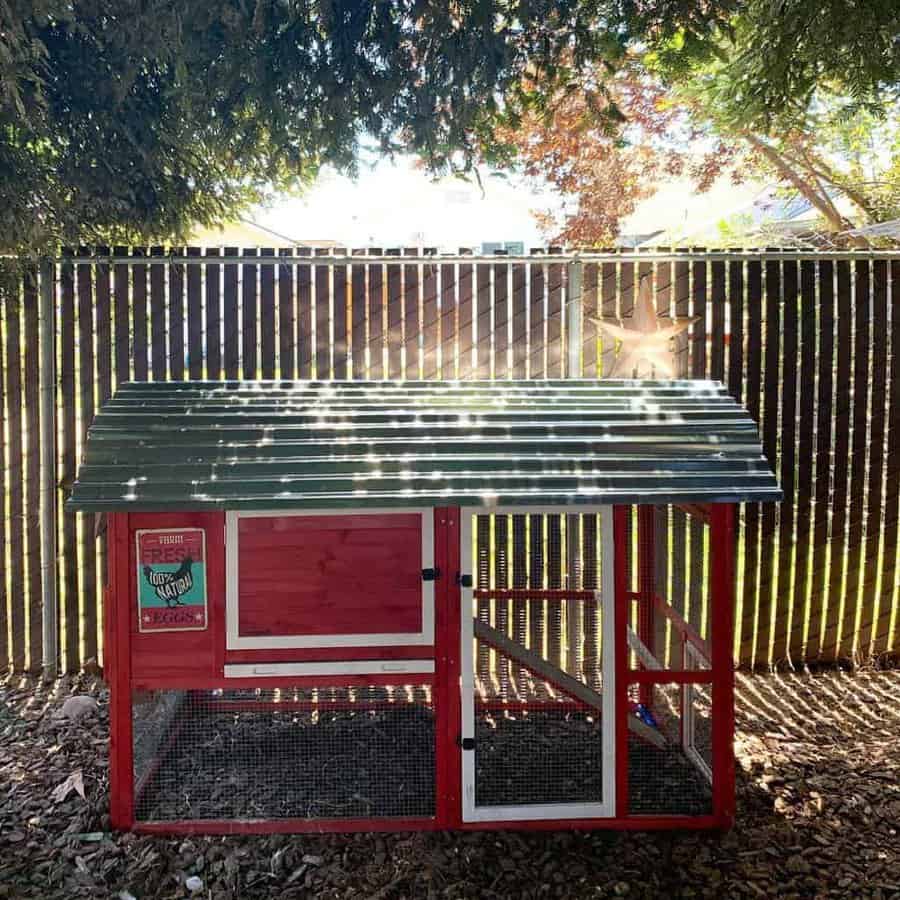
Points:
(537, 664)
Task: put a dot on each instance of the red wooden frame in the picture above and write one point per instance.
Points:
(445, 683)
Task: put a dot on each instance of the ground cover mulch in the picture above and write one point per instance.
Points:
(818, 816)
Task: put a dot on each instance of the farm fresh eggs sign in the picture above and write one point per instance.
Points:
(171, 573)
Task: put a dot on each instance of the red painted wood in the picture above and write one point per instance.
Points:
(207, 683)
(444, 774)
(722, 544)
(452, 672)
(666, 676)
(329, 826)
(173, 656)
(284, 826)
(620, 650)
(121, 786)
(325, 575)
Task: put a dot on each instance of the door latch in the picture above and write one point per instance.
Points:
(463, 580)
(431, 574)
(465, 743)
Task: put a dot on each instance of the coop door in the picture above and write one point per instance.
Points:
(318, 579)
(537, 666)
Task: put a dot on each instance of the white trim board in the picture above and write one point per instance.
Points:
(606, 601)
(351, 667)
(235, 641)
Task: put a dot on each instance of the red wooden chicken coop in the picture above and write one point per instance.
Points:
(384, 605)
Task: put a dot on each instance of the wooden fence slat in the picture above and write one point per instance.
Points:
(103, 313)
(139, 317)
(249, 316)
(799, 598)
(212, 333)
(679, 526)
(771, 392)
(877, 420)
(536, 579)
(590, 308)
(231, 318)
(87, 544)
(699, 368)
(752, 511)
(195, 273)
(884, 627)
(411, 317)
(609, 274)
(483, 580)
(15, 475)
(483, 303)
(466, 320)
(718, 302)
(158, 355)
(394, 318)
(340, 347)
(556, 352)
(860, 447)
(784, 609)
(359, 334)
(176, 319)
(501, 607)
(537, 344)
(267, 357)
(830, 636)
(501, 320)
(287, 318)
(431, 320)
(376, 319)
(736, 329)
(520, 605)
(450, 310)
(519, 303)
(304, 345)
(591, 668)
(554, 580)
(32, 451)
(824, 403)
(322, 317)
(121, 335)
(70, 643)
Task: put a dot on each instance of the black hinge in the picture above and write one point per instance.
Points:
(465, 743)
(431, 574)
(463, 580)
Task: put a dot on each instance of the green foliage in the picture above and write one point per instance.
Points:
(136, 119)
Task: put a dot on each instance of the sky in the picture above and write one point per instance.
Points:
(396, 204)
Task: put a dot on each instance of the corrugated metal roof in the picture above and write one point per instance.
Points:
(308, 444)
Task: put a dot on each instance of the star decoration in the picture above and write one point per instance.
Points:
(645, 345)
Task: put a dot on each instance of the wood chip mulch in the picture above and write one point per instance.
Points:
(818, 816)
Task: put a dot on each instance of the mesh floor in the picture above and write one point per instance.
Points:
(671, 780)
(282, 754)
(537, 756)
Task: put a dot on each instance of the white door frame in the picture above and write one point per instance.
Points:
(531, 811)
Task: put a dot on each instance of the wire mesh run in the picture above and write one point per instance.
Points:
(544, 753)
(672, 776)
(319, 753)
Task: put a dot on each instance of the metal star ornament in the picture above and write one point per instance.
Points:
(645, 343)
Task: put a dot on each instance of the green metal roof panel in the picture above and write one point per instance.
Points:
(345, 444)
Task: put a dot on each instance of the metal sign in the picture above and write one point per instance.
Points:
(171, 573)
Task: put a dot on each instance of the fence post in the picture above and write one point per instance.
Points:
(47, 416)
(573, 318)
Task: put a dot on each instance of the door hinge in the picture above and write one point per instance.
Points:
(463, 580)
(465, 743)
(431, 574)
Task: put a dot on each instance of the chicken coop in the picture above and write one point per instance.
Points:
(337, 606)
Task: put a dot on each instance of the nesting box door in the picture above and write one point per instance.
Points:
(537, 662)
(329, 580)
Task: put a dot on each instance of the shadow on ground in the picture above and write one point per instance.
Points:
(818, 816)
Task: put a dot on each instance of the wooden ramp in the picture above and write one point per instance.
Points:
(539, 667)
